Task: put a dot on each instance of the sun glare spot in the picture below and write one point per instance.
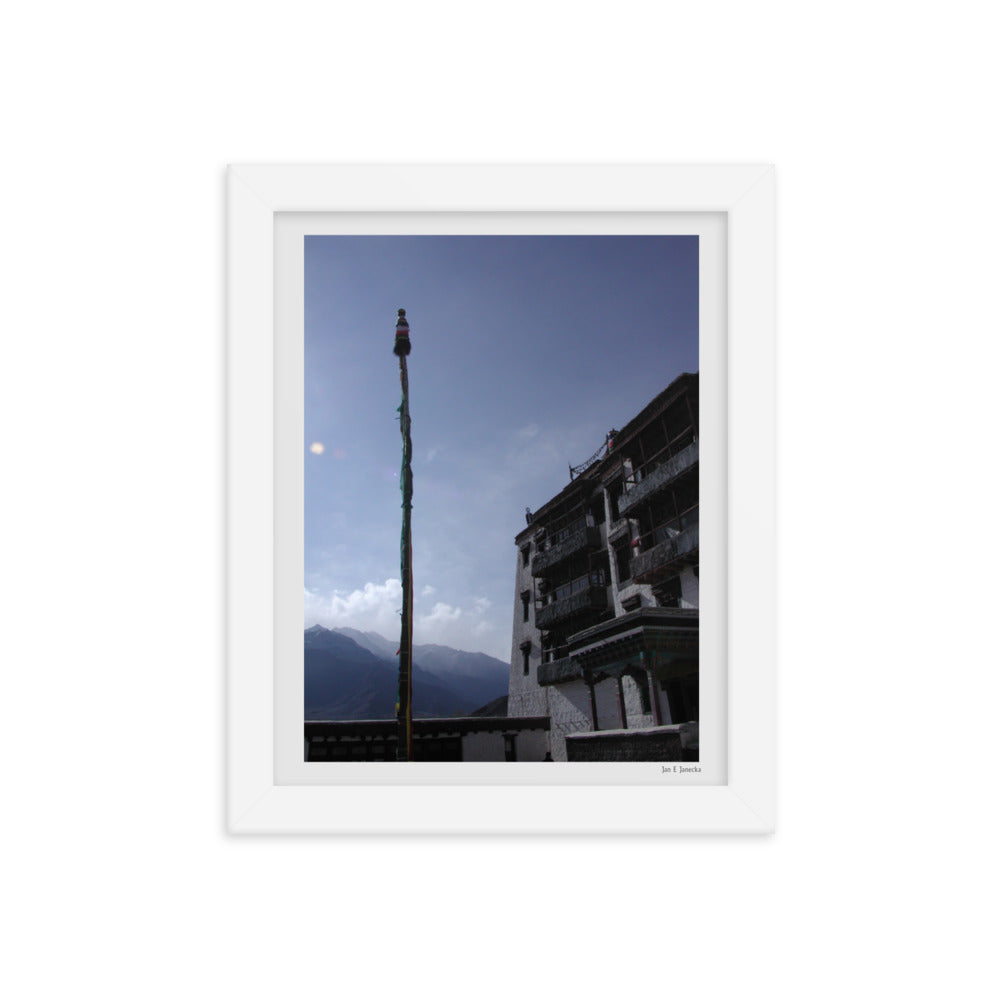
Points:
(317, 448)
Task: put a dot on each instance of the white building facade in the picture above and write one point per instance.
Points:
(605, 630)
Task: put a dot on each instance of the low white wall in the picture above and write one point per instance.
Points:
(530, 744)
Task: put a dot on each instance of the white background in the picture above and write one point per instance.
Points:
(118, 122)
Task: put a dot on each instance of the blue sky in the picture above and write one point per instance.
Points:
(526, 351)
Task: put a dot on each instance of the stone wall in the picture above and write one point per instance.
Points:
(622, 745)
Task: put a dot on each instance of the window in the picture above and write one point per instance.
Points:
(525, 601)
(614, 495)
(525, 656)
(623, 561)
(595, 578)
(525, 555)
(510, 747)
(563, 533)
(668, 593)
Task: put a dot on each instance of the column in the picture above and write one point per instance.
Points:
(593, 701)
(651, 681)
(621, 702)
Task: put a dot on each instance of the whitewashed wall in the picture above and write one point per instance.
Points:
(532, 745)
(569, 712)
(482, 746)
(524, 696)
(689, 588)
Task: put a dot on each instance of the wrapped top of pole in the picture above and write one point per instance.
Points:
(402, 344)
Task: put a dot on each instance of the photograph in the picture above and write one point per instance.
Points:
(501, 490)
(467, 466)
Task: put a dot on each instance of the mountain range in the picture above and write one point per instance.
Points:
(354, 675)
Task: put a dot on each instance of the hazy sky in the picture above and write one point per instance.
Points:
(526, 351)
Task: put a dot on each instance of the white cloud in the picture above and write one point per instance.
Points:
(465, 626)
(375, 607)
(529, 431)
(441, 614)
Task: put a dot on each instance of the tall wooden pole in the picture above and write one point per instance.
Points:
(404, 702)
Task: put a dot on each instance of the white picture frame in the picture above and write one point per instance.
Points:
(257, 801)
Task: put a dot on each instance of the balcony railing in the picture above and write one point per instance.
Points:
(656, 476)
(580, 538)
(589, 599)
(559, 671)
(674, 550)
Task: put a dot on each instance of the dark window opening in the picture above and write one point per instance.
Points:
(682, 699)
(623, 562)
(556, 647)
(686, 493)
(614, 495)
(525, 601)
(510, 747)
(525, 656)
(668, 593)
(595, 578)
(441, 748)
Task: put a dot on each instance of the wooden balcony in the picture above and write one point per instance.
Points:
(587, 600)
(667, 556)
(657, 478)
(559, 671)
(580, 539)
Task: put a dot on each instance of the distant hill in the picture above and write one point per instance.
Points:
(372, 641)
(344, 681)
(354, 675)
(495, 709)
(479, 678)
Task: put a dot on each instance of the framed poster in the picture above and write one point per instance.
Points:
(593, 348)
